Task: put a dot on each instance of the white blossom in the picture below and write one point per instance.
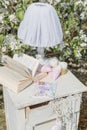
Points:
(11, 42)
(12, 17)
(15, 1)
(1, 18)
(82, 15)
(83, 44)
(63, 4)
(81, 32)
(79, 2)
(12, 45)
(76, 38)
(85, 9)
(67, 32)
(16, 47)
(56, 2)
(85, 39)
(62, 45)
(7, 39)
(78, 55)
(4, 49)
(1, 28)
(83, 36)
(85, 3)
(53, 1)
(6, 2)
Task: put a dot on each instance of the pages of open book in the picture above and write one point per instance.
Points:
(16, 76)
(16, 66)
(12, 79)
(28, 61)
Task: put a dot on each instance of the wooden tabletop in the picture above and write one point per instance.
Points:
(67, 85)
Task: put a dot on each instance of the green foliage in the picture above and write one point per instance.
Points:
(73, 17)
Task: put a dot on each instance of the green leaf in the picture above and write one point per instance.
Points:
(1, 39)
(20, 14)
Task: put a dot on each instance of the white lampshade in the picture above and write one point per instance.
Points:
(41, 26)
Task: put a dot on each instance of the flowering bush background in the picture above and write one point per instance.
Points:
(73, 16)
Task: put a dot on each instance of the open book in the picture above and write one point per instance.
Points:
(17, 76)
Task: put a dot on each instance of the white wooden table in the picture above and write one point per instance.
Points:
(25, 112)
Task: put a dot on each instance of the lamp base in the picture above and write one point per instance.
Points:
(41, 56)
(40, 51)
(43, 60)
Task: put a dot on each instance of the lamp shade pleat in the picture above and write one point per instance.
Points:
(40, 26)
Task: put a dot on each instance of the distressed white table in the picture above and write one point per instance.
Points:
(25, 112)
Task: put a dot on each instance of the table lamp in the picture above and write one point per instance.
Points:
(40, 27)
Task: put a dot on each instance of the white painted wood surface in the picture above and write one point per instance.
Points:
(15, 119)
(67, 85)
(38, 118)
(44, 118)
(20, 117)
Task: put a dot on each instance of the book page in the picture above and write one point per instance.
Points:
(28, 61)
(16, 66)
(13, 80)
(40, 76)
